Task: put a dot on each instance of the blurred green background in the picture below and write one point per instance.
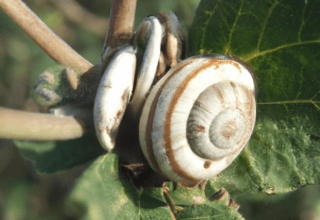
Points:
(83, 24)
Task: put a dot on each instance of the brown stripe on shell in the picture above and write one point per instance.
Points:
(153, 106)
(167, 125)
(250, 121)
(202, 106)
(164, 17)
(161, 69)
(171, 41)
(241, 106)
(220, 96)
(231, 62)
(236, 93)
(108, 132)
(125, 98)
(237, 66)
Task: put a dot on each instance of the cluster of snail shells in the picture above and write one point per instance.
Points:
(116, 85)
(197, 118)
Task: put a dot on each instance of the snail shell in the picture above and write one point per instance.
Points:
(153, 29)
(116, 85)
(198, 118)
(163, 30)
(113, 95)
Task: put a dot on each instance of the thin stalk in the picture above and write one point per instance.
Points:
(120, 27)
(23, 125)
(121, 22)
(56, 48)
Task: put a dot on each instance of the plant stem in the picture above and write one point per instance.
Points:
(119, 30)
(37, 126)
(56, 48)
(121, 22)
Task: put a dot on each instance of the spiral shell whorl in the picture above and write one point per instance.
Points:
(219, 119)
(168, 123)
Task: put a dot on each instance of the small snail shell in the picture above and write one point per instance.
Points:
(149, 63)
(198, 118)
(155, 31)
(113, 95)
(173, 41)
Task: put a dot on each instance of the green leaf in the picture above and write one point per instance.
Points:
(280, 40)
(105, 195)
(181, 195)
(50, 157)
(102, 194)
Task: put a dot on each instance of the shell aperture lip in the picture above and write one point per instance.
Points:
(113, 95)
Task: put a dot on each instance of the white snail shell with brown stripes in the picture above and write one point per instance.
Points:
(198, 118)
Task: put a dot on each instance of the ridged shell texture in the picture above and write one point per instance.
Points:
(198, 118)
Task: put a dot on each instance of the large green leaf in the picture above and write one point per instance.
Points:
(103, 194)
(280, 40)
(50, 157)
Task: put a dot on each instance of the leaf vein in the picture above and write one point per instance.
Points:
(265, 23)
(302, 78)
(256, 54)
(289, 102)
(302, 20)
(315, 104)
(232, 29)
(301, 82)
(205, 29)
(315, 95)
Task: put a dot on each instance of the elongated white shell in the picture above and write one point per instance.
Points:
(113, 95)
(153, 28)
(160, 31)
(198, 118)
